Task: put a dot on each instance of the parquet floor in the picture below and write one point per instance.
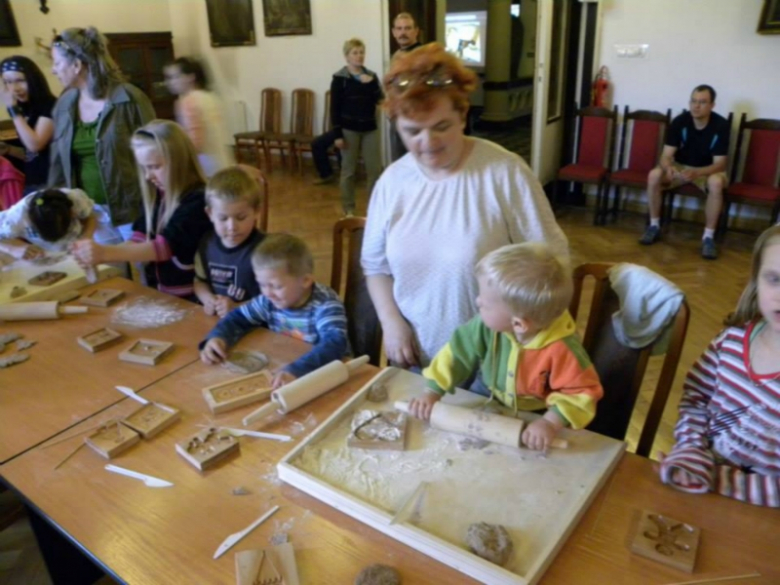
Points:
(712, 289)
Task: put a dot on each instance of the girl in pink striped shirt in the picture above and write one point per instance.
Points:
(728, 434)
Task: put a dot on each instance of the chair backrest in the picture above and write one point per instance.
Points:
(620, 368)
(327, 123)
(302, 112)
(761, 164)
(271, 110)
(365, 332)
(596, 136)
(645, 138)
(257, 175)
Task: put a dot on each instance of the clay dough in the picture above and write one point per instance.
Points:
(24, 344)
(13, 359)
(241, 491)
(378, 575)
(489, 541)
(377, 393)
(246, 362)
(9, 337)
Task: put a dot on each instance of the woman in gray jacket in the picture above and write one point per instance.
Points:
(94, 119)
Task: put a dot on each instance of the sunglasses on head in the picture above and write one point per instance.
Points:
(437, 78)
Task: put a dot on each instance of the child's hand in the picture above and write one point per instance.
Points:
(281, 378)
(27, 252)
(539, 434)
(87, 252)
(214, 352)
(223, 305)
(209, 305)
(421, 407)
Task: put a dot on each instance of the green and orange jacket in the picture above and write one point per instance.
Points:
(551, 371)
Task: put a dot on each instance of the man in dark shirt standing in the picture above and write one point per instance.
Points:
(405, 31)
(695, 151)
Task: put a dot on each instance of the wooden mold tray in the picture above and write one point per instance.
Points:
(146, 351)
(112, 439)
(538, 499)
(151, 419)
(102, 297)
(99, 340)
(238, 392)
(208, 447)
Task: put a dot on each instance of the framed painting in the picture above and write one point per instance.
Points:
(9, 34)
(231, 23)
(287, 17)
(769, 23)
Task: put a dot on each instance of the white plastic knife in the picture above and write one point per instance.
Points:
(235, 537)
(149, 480)
(130, 393)
(258, 434)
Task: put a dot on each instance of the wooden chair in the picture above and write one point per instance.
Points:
(760, 169)
(622, 368)
(301, 126)
(594, 155)
(646, 141)
(687, 190)
(270, 123)
(302, 142)
(365, 332)
(255, 173)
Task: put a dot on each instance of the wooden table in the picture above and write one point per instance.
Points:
(150, 536)
(62, 383)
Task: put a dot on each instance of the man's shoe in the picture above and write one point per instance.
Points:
(651, 236)
(324, 180)
(708, 249)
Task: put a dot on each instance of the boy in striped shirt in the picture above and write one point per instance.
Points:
(290, 303)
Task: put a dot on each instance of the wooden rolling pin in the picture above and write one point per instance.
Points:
(487, 426)
(36, 311)
(307, 388)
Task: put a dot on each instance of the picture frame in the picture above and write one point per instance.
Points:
(9, 34)
(231, 23)
(287, 17)
(769, 22)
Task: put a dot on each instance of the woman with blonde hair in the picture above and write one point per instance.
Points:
(166, 236)
(93, 121)
(440, 208)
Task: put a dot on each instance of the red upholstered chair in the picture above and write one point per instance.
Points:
(594, 154)
(644, 131)
(758, 183)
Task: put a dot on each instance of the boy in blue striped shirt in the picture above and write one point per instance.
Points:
(290, 303)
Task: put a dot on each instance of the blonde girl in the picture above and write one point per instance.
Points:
(166, 236)
(728, 438)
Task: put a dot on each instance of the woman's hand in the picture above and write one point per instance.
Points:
(340, 143)
(7, 97)
(400, 346)
(88, 253)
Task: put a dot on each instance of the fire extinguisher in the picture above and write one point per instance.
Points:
(600, 88)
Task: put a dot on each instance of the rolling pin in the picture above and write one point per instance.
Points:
(36, 311)
(307, 388)
(487, 426)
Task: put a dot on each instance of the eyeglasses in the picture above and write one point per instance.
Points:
(437, 78)
(700, 102)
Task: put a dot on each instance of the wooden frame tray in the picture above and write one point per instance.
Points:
(428, 495)
(100, 339)
(101, 297)
(148, 352)
(238, 392)
(151, 419)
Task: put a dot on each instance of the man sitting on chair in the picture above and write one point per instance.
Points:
(695, 150)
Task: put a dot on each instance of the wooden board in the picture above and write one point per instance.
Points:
(146, 351)
(47, 278)
(112, 439)
(152, 419)
(18, 273)
(666, 540)
(282, 557)
(378, 430)
(238, 392)
(208, 447)
(100, 339)
(538, 499)
(101, 297)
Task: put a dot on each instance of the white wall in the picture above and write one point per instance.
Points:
(107, 15)
(288, 62)
(691, 42)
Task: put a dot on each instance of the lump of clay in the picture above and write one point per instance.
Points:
(489, 541)
(377, 393)
(378, 575)
(246, 362)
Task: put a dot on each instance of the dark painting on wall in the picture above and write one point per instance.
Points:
(287, 17)
(769, 23)
(231, 23)
(9, 35)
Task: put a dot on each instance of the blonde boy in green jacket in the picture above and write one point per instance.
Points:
(523, 342)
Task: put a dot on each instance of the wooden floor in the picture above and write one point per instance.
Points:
(712, 289)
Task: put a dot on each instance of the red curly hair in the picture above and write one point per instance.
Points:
(421, 64)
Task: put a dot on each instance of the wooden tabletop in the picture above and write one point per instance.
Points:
(146, 535)
(62, 383)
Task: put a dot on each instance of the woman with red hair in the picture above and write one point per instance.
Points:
(439, 209)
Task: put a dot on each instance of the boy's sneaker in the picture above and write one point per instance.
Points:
(651, 236)
(708, 249)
